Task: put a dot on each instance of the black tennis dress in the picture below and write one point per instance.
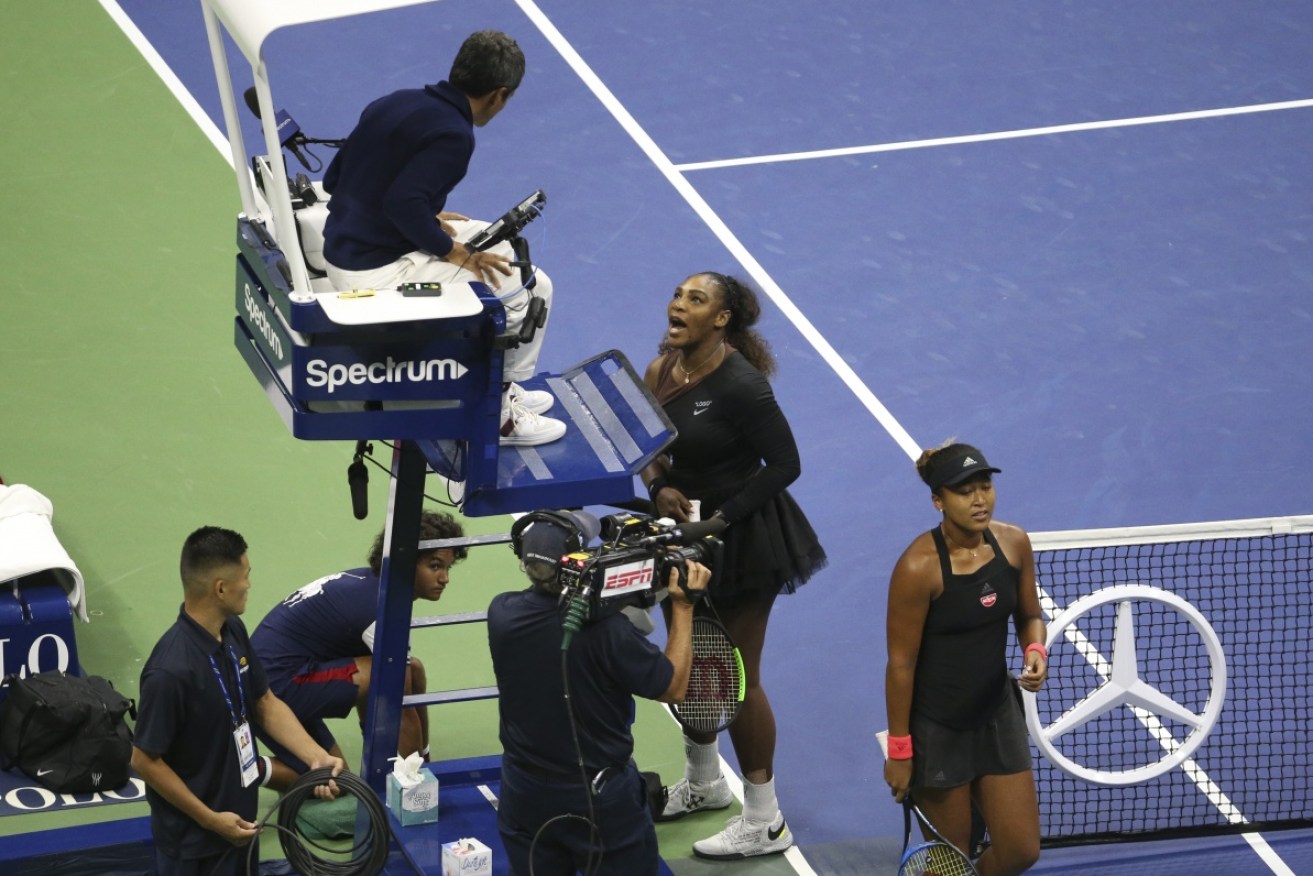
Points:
(736, 454)
(967, 719)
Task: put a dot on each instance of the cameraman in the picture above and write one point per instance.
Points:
(544, 809)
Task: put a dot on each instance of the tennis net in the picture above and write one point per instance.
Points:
(1154, 666)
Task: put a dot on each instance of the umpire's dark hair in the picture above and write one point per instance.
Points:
(487, 60)
(204, 550)
(432, 524)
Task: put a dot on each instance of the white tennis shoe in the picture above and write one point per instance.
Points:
(684, 797)
(746, 839)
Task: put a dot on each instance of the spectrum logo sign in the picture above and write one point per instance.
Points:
(319, 373)
(261, 320)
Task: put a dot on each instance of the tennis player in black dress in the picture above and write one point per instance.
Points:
(735, 455)
(957, 733)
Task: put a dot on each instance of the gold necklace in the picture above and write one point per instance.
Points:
(679, 363)
(970, 551)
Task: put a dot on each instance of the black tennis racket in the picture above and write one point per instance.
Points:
(716, 684)
(935, 857)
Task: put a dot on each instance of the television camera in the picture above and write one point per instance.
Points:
(632, 565)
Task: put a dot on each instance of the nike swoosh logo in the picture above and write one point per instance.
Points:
(43, 772)
(700, 411)
(776, 834)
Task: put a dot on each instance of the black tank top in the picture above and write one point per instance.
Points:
(961, 671)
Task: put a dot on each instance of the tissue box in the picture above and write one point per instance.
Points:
(466, 857)
(417, 804)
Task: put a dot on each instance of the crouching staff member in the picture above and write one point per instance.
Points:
(957, 735)
(544, 807)
(317, 646)
(202, 688)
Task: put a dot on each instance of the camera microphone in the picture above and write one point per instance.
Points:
(289, 132)
(357, 478)
(687, 533)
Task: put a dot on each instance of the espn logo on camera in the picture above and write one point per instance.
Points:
(628, 578)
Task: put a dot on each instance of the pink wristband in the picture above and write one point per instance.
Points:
(900, 747)
(1036, 646)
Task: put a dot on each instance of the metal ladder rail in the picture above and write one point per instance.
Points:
(454, 695)
(402, 545)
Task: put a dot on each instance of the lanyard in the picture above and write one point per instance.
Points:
(238, 718)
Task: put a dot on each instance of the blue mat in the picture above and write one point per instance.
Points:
(464, 810)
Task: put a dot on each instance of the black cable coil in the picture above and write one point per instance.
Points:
(370, 852)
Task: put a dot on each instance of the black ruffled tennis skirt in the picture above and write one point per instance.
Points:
(773, 550)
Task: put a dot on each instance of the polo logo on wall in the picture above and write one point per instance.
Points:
(18, 795)
(1143, 713)
(44, 652)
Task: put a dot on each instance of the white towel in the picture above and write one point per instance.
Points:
(28, 544)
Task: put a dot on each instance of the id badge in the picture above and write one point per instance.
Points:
(246, 754)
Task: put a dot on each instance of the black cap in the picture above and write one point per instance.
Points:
(955, 464)
(547, 540)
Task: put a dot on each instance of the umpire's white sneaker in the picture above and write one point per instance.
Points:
(523, 428)
(684, 797)
(535, 401)
(744, 839)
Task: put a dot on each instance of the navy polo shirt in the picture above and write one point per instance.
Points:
(323, 621)
(393, 174)
(184, 717)
(610, 662)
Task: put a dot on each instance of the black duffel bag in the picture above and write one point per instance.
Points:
(66, 732)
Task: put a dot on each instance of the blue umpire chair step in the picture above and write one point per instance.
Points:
(614, 428)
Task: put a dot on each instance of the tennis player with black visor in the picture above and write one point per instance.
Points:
(572, 799)
(957, 733)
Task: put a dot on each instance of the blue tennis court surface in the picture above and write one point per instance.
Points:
(1076, 236)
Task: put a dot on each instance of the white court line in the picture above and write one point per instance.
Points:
(721, 230)
(996, 135)
(489, 796)
(170, 80)
(1270, 857)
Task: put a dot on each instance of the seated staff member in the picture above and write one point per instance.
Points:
(201, 690)
(317, 646)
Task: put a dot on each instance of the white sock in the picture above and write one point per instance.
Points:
(701, 762)
(759, 803)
